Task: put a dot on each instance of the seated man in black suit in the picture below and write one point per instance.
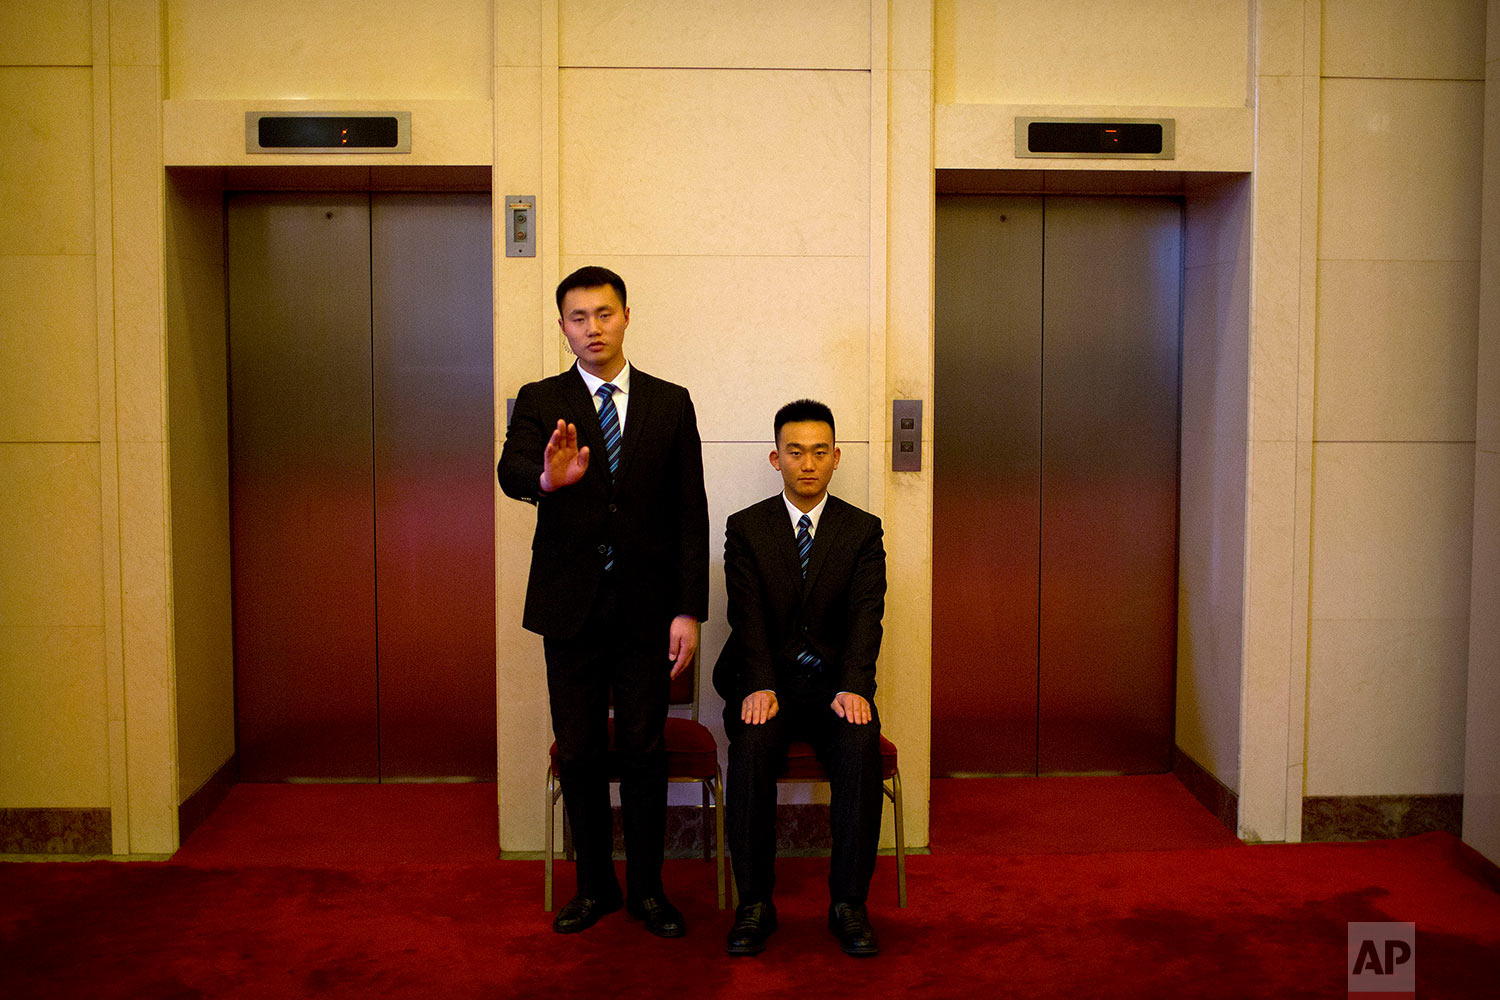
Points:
(805, 574)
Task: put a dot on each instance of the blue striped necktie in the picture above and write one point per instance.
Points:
(806, 657)
(804, 542)
(609, 422)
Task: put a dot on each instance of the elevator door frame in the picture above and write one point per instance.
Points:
(330, 700)
(1021, 325)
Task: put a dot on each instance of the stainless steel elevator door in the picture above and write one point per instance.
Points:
(986, 504)
(1055, 498)
(361, 453)
(301, 473)
(434, 483)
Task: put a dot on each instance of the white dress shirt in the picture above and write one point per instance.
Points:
(621, 396)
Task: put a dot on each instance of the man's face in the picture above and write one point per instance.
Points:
(594, 322)
(806, 457)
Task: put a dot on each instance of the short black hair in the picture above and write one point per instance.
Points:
(799, 410)
(590, 277)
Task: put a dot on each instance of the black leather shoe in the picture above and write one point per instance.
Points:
(660, 916)
(753, 923)
(850, 923)
(581, 913)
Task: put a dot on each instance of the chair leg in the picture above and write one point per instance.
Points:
(719, 862)
(900, 840)
(703, 825)
(547, 864)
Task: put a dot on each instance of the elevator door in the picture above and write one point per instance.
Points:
(361, 427)
(1055, 496)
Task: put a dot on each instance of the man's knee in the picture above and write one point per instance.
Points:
(854, 749)
(758, 748)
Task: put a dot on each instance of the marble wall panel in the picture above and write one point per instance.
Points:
(1391, 532)
(46, 33)
(49, 364)
(1396, 350)
(1386, 706)
(1400, 170)
(1430, 39)
(705, 163)
(337, 49)
(1166, 52)
(46, 161)
(50, 534)
(784, 34)
(53, 716)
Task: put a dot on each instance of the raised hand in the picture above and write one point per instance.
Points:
(563, 462)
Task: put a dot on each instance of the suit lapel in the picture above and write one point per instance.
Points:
(829, 526)
(642, 396)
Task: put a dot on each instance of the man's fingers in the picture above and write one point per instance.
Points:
(758, 708)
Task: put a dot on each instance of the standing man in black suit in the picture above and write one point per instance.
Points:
(611, 458)
(805, 575)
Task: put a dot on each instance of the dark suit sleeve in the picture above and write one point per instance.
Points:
(866, 609)
(520, 468)
(692, 508)
(747, 611)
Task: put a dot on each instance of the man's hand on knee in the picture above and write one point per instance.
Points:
(851, 708)
(758, 708)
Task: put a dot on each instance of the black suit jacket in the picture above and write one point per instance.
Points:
(654, 512)
(773, 612)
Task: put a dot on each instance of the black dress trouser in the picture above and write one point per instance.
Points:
(609, 656)
(850, 756)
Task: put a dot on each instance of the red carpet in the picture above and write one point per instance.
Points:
(1230, 922)
(1146, 812)
(358, 824)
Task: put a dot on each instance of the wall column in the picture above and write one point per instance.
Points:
(1482, 735)
(133, 401)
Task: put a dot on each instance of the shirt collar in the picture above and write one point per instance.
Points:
(814, 514)
(621, 381)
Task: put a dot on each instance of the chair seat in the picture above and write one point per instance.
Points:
(691, 751)
(802, 764)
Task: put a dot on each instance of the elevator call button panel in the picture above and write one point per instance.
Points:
(520, 225)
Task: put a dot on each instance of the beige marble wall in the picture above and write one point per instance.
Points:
(1393, 453)
(1482, 754)
(330, 50)
(1023, 52)
(53, 704)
